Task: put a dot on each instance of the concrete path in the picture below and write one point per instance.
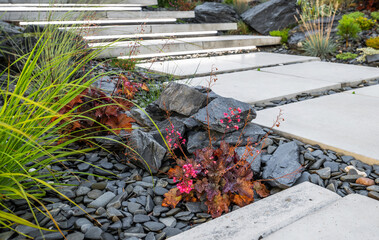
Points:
(264, 217)
(346, 74)
(256, 86)
(229, 63)
(352, 217)
(343, 122)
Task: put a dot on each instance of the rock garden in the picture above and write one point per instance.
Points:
(103, 150)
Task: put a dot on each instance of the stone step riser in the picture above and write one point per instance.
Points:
(166, 45)
(135, 2)
(99, 15)
(151, 29)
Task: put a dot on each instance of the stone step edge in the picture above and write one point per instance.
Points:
(264, 217)
(142, 2)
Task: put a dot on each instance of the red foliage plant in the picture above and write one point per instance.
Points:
(216, 176)
(371, 5)
(101, 110)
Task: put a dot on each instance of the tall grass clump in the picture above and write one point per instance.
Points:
(31, 125)
(317, 19)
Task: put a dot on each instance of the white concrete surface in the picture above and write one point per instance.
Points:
(261, 218)
(348, 74)
(256, 86)
(344, 122)
(372, 91)
(184, 44)
(99, 15)
(350, 218)
(135, 2)
(156, 28)
(228, 63)
(61, 22)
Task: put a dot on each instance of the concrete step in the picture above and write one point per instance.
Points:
(182, 45)
(229, 63)
(352, 217)
(31, 14)
(345, 122)
(125, 2)
(166, 30)
(101, 22)
(264, 217)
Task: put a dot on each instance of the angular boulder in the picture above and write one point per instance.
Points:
(212, 12)
(151, 152)
(216, 111)
(271, 15)
(181, 99)
(283, 167)
(255, 160)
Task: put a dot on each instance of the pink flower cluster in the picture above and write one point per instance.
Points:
(174, 137)
(233, 116)
(186, 185)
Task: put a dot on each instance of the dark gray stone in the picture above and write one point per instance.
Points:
(154, 226)
(151, 152)
(81, 191)
(93, 233)
(75, 236)
(150, 236)
(216, 109)
(316, 179)
(171, 231)
(127, 222)
(347, 159)
(102, 200)
(182, 99)
(212, 12)
(304, 178)
(374, 195)
(82, 221)
(372, 58)
(141, 218)
(160, 191)
(116, 201)
(94, 194)
(194, 207)
(317, 164)
(168, 221)
(255, 160)
(324, 173)
(149, 204)
(141, 117)
(271, 15)
(334, 166)
(107, 236)
(350, 178)
(82, 167)
(133, 207)
(50, 236)
(374, 188)
(284, 162)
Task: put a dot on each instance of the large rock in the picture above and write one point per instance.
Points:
(151, 152)
(181, 99)
(271, 15)
(211, 12)
(173, 123)
(283, 167)
(200, 139)
(254, 160)
(216, 111)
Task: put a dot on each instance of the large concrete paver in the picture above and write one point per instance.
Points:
(372, 91)
(229, 63)
(255, 86)
(350, 218)
(141, 2)
(157, 46)
(261, 218)
(349, 75)
(344, 122)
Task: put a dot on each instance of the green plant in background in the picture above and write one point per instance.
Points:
(313, 15)
(242, 29)
(365, 23)
(346, 56)
(375, 15)
(281, 33)
(348, 28)
(355, 15)
(126, 64)
(373, 42)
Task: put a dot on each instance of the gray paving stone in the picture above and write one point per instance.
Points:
(346, 74)
(256, 86)
(264, 217)
(346, 123)
(229, 63)
(352, 217)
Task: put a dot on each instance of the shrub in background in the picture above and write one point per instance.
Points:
(375, 15)
(365, 23)
(242, 29)
(355, 15)
(281, 33)
(346, 56)
(348, 28)
(373, 42)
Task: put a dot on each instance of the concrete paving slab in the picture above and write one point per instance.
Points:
(141, 2)
(185, 44)
(347, 74)
(156, 28)
(352, 217)
(372, 91)
(29, 15)
(261, 218)
(345, 123)
(228, 63)
(256, 86)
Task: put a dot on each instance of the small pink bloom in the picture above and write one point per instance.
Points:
(222, 121)
(225, 114)
(238, 120)
(239, 110)
(236, 127)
